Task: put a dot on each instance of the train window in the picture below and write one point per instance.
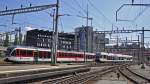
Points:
(65, 55)
(62, 54)
(49, 55)
(113, 58)
(68, 54)
(9, 51)
(40, 54)
(89, 56)
(76, 55)
(82, 56)
(29, 53)
(104, 56)
(109, 58)
(23, 52)
(71, 54)
(13, 53)
(17, 52)
(59, 54)
(46, 54)
(148, 58)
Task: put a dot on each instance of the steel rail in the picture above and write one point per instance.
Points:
(32, 77)
(81, 78)
(139, 75)
(133, 77)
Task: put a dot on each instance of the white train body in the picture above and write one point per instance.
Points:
(110, 57)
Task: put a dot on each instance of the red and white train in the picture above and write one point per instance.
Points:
(21, 54)
(30, 54)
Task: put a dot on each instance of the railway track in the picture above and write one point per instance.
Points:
(80, 78)
(133, 77)
(29, 78)
(72, 78)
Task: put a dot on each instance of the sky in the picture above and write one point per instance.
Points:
(102, 11)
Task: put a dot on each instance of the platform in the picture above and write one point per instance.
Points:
(18, 70)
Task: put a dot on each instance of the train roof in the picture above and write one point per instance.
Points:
(117, 55)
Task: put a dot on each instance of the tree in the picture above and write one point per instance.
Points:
(20, 38)
(6, 41)
(24, 40)
(16, 40)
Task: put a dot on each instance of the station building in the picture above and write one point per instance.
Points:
(88, 40)
(43, 39)
(84, 39)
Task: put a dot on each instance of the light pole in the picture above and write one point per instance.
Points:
(54, 43)
(54, 60)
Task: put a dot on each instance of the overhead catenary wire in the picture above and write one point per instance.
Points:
(71, 7)
(100, 13)
(80, 6)
(74, 9)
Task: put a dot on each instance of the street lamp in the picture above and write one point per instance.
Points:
(55, 34)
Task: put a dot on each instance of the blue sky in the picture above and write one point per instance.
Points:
(103, 16)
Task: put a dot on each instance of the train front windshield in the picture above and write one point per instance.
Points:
(9, 50)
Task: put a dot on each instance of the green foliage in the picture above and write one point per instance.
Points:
(20, 38)
(16, 40)
(6, 41)
(24, 40)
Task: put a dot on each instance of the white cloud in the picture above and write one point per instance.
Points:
(29, 28)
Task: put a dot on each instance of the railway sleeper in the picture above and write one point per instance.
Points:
(81, 77)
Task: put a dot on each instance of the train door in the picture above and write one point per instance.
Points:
(98, 56)
(35, 56)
